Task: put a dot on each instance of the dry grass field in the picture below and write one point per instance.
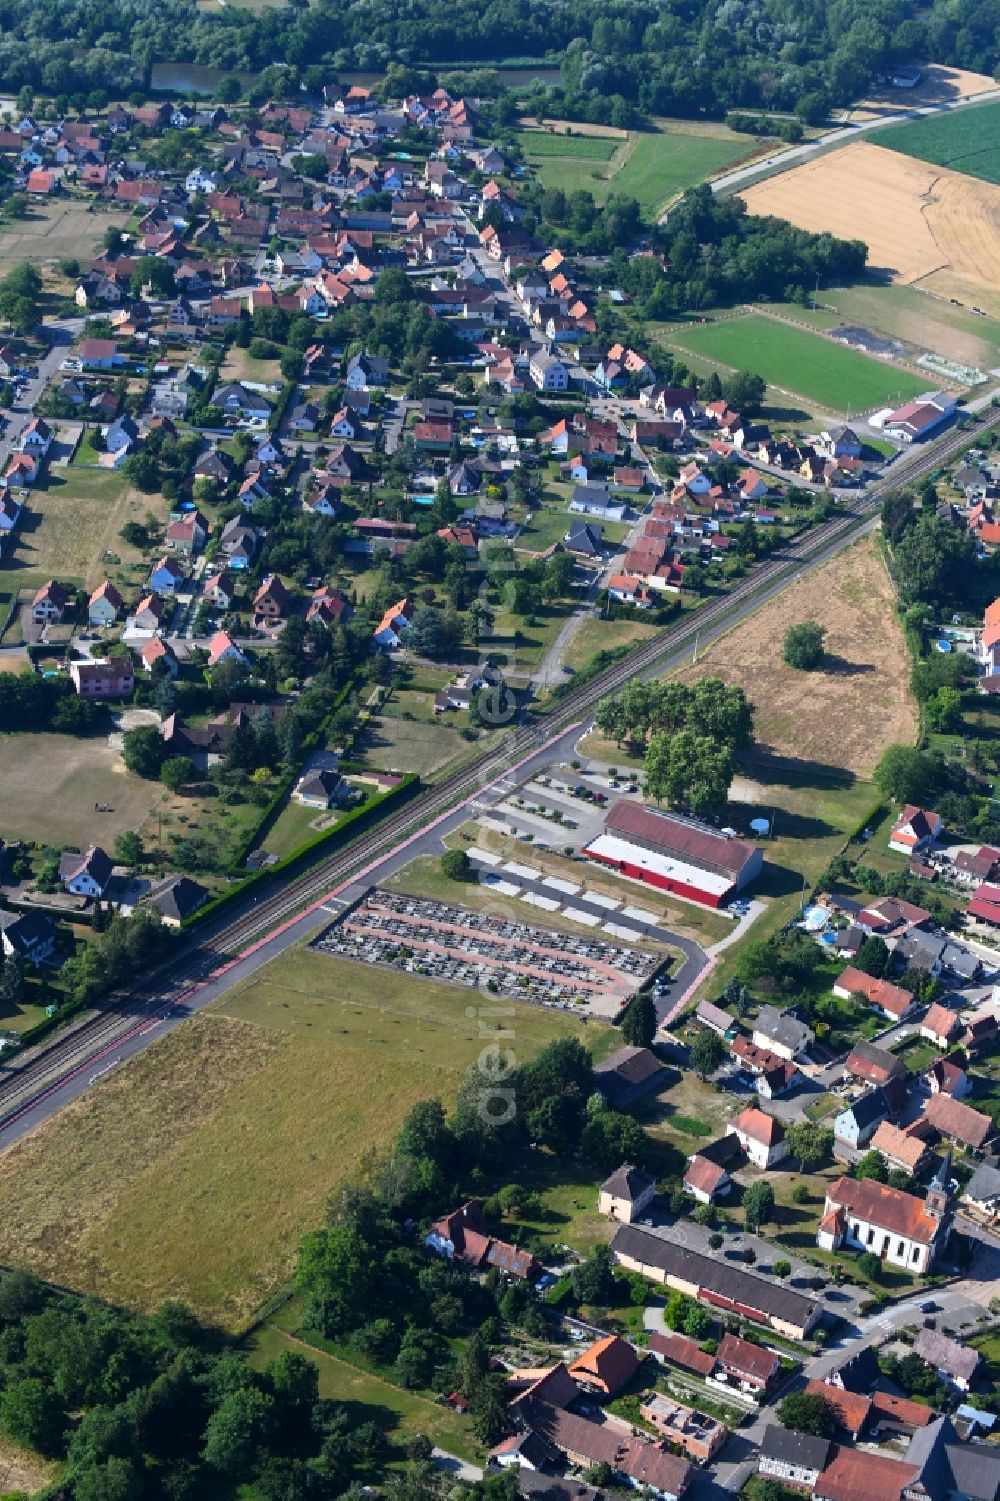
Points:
(71, 523)
(51, 783)
(918, 221)
(63, 229)
(192, 1171)
(825, 716)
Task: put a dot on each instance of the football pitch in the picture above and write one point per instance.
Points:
(799, 362)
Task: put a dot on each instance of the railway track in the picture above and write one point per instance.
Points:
(87, 1047)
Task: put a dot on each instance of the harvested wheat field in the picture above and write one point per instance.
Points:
(825, 716)
(917, 220)
(939, 85)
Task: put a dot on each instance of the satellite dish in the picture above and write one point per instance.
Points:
(761, 826)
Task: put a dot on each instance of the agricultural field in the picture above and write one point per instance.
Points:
(797, 362)
(967, 141)
(652, 167)
(921, 224)
(51, 783)
(61, 230)
(191, 1171)
(824, 716)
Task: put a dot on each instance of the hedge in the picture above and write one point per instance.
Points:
(346, 829)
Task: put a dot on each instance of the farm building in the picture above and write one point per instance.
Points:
(675, 854)
(715, 1282)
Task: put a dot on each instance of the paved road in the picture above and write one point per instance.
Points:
(43, 1089)
(794, 156)
(62, 332)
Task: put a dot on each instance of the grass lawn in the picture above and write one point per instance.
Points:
(548, 524)
(650, 166)
(70, 529)
(968, 141)
(423, 877)
(85, 454)
(400, 1414)
(192, 1170)
(917, 1053)
(798, 362)
(906, 313)
(528, 643)
(51, 783)
(66, 228)
(295, 824)
(396, 744)
(812, 820)
(686, 1113)
(587, 147)
(209, 830)
(238, 365)
(592, 636)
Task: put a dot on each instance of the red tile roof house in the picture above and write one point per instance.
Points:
(892, 1000)
(686, 1354)
(606, 1367)
(272, 602)
(222, 648)
(104, 604)
(751, 1366)
(948, 1076)
(50, 603)
(99, 354)
(463, 1235)
(873, 1064)
(761, 1136)
(704, 1179)
(940, 1026)
(959, 1123)
(914, 829)
(900, 1149)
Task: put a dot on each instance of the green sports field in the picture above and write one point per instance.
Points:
(799, 362)
(652, 167)
(967, 140)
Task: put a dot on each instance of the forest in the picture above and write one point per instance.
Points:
(692, 59)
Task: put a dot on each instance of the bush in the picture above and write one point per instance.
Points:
(803, 645)
(456, 865)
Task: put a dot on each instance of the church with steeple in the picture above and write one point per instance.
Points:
(898, 1227)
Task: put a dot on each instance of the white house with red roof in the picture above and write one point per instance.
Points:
(915, 829)
(222, 648)
(760, 1135)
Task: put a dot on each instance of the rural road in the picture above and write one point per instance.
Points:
(794, 156)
